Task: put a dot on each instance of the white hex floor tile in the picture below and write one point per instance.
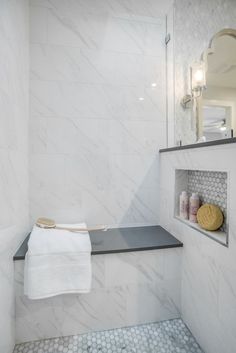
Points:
(171, 336)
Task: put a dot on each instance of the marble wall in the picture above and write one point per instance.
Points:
(195, 23)
(13, 153)
(208, 290)
(96, 121)
(127, 289)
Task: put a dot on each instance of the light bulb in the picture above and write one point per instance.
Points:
(199, 75)
(223, 128)
(198, 72)
(154, 84)
(141, 98)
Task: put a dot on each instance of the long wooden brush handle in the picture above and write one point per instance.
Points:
(47, 223)
(82, 229)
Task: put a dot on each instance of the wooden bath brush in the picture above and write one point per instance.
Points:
(47, 223)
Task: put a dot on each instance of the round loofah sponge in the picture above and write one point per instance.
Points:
(210, 217)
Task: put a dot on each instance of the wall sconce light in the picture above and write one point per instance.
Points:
(198, 83)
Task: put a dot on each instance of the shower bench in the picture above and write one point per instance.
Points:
(118, 240)
(136, 279)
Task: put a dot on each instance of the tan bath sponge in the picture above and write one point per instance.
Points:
(210, 217)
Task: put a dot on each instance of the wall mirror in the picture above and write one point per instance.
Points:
(216, 104)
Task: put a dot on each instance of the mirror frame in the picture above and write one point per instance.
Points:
(210, 49)
(204, 57)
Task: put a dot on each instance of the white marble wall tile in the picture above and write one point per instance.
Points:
(100, 207)
(13, 195)
(125, 102)
(63, 206)
(139, 268)
(149, 8)
(7, 331)
(62, 63)
(137, 137)
(101, 31)
(88, 193)
(153, 302)
(80, 172)
(96, 136)
(98, 271)
(127, 289)
(208, 275)
(172, 264)
(48, 171)
(136, 206)
(69, 100)
(70, 136)
(227, 299)
(199, 318)
(38, 24)
(71, 315)
(125, 68)
(90, 66)
(52, 195)
(55, 99)
(14, 72)
(120, 206)
(145, 166)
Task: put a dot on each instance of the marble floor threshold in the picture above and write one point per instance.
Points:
(171, 336)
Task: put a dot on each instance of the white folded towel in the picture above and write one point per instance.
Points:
(57, 262)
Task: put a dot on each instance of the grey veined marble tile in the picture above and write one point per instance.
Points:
(170, 336)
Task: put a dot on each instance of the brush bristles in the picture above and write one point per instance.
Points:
(45, 223)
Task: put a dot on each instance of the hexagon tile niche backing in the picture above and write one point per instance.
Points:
(211, 188)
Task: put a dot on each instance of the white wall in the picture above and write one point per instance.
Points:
(208, 302)
(195, 23)
(127, 289)
(13, 153)
(93, 143)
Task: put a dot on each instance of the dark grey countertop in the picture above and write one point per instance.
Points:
(198, 145)
(118, 240)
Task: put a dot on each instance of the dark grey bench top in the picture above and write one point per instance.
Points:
(118, 240)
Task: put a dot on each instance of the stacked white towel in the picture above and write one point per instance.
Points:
(57, 262)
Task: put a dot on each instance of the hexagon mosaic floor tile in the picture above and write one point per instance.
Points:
(170, 336)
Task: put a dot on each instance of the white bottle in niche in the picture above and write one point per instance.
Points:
(183, 205)
(194, 204)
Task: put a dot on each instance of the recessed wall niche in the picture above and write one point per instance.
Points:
(211, 186)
